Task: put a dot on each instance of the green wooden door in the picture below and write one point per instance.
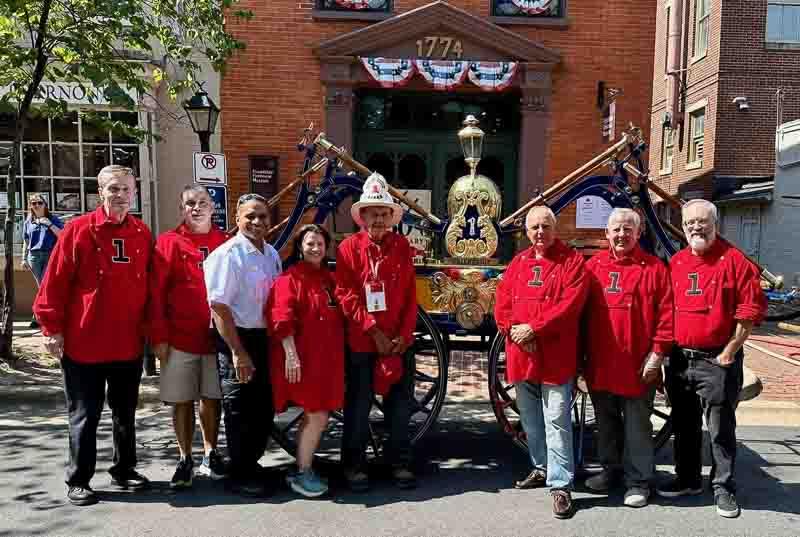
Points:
(421, 160)
(411, 139)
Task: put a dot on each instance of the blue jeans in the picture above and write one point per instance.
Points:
(37, 259)
(544, 411)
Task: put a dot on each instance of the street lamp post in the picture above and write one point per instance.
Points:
(203, 114)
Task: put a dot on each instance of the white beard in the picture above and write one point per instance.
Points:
(700, 244)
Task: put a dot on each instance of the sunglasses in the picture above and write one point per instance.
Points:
(250, 197)
(37, 203)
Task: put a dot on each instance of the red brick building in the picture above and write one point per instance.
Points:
(303, 63)
(736, 78)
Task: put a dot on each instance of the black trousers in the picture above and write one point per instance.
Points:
(248, 408)
(697, 388)
(86, 387)
(359, 393)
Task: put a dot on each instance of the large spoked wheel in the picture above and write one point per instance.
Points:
(783, 306)
(427, 358)
(501, 394)
(504, 405)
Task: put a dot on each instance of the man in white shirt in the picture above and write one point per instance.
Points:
(239, 276)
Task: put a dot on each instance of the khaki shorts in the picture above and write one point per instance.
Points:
(189, 377)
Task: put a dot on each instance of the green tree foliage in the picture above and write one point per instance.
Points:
(118, 51)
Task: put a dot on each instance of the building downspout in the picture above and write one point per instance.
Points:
(674, 71)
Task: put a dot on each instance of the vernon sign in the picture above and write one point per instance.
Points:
(70, 92)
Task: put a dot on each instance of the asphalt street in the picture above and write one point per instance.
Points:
(466, 468)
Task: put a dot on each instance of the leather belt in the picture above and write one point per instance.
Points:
(698, 354)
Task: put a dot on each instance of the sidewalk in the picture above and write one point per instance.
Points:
(37, 375)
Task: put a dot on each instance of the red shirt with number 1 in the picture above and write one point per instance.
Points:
(94, 292)
(179, 311)
(711, 292)
(547, 294)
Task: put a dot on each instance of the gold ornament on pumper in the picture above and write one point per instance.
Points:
(473, 203)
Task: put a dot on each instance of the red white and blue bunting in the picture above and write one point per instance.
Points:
(361, 4)
(443, 75)
(492, 76)
(388, 72)
(534, 7)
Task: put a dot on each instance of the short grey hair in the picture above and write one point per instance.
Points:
(625, 214)
(710, 207)
(109, 172)
(541, 210)
(193, 188)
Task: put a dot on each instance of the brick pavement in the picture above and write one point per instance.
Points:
(468, 371)
(781, 380)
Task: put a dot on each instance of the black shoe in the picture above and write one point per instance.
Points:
(357, 479)
(213, 466)
(535, 479)
(403, 477)
(726, 504)
(182, 478)
(676, 488)
(249, 489)
(81, 495)
(130, 480)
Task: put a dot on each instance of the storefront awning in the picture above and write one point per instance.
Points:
(750, 193)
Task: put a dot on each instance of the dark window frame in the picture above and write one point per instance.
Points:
(552, 21)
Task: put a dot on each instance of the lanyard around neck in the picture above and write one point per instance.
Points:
(374, 265)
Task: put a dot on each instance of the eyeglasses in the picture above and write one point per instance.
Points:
(191, 204)
(37, 203)
(244, 198)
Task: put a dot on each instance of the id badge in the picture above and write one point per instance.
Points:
(376, 297)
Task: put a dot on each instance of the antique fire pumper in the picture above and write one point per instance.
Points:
(465, 284)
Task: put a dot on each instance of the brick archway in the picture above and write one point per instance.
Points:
(342, 73)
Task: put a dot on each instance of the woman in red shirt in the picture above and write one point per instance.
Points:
(307, 348)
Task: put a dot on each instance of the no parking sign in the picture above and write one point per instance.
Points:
(210, 168)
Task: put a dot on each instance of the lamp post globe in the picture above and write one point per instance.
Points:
(471, 138)
(203, 115)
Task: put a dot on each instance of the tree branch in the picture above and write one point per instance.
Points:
(41, 57)
(28, 24)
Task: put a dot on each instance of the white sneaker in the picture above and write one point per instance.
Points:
(637, 497)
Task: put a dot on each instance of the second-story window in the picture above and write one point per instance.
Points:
(697, 126)
(528, 8)
(667, 149)
(355, 5)
(783, 21)
(702, 10)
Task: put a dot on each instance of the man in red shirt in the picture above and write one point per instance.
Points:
(376, 287)
(538, 307)
(717, 300)
(180, 321)
(91, 307)
(629, 322)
